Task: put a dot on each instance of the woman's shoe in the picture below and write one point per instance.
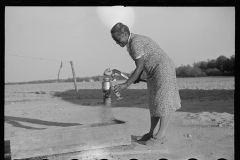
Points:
(155, 141)
(145, 137)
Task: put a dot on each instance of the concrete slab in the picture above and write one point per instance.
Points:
(134, 150)
(69, 139)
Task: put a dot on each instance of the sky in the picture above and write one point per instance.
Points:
(82, 35)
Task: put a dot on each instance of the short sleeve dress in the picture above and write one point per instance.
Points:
(163, 94)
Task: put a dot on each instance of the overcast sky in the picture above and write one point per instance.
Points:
(79, 34)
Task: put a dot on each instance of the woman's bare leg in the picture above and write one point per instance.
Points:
(154, 122)
(164, 120)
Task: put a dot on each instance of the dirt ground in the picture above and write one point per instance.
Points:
(203, 128)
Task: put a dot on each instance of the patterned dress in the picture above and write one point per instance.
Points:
(163, 94)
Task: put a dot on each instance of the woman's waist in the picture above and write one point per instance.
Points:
(153, 59)
(154, 64)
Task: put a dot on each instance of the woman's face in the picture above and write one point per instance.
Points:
(121, 39)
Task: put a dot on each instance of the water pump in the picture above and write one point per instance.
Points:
(107, 86)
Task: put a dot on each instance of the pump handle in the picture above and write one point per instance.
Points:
(125, 76)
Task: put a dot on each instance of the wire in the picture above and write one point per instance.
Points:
(37, 58)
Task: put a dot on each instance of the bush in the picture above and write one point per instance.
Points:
(188, 71)
(196, 72)
(228, 73)
(213, 72)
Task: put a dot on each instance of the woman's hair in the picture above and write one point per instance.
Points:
(121, 28)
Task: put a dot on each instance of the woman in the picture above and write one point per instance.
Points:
(163, 94)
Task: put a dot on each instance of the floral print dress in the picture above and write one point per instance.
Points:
(163, 94)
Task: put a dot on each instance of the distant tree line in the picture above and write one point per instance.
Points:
(222, 66)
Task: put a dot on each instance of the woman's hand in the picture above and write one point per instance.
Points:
(120, 87)
(136, 81)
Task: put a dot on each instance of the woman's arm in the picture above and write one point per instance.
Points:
(139, 67)
(137, 55)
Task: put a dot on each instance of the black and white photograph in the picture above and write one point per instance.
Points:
(119, 82)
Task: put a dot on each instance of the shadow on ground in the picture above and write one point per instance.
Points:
(14, 121)
(193, 101)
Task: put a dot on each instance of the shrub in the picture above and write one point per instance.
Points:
(188, 71)
(213, 72)
(196, 72)
(228, 73)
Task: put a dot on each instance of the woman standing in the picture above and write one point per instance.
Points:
(163, 94)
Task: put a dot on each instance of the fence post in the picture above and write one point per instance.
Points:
(74, 78)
